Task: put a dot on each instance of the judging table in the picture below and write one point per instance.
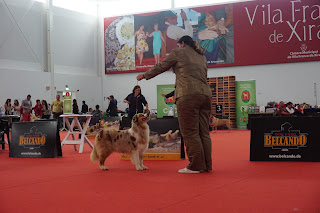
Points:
(81, 132)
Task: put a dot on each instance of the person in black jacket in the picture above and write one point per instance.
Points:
(75, 108)
(112, 108)
(84, 108)
(136, 101)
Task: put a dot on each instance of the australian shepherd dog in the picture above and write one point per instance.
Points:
(133, 141)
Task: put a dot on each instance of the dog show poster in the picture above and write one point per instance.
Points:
(244, 33)
(165, 106)
(245, 100)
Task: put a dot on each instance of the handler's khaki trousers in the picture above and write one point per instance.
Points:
(194, 114)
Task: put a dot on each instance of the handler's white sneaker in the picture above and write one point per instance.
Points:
(186, 170)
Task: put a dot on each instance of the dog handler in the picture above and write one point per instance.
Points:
(193, 99)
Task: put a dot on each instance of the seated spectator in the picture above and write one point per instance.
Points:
(90, 111)
(290, 108)
(97, 112)
(298, 107)
(282, 111)
(305, 106)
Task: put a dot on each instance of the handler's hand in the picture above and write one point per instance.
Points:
(140, 77)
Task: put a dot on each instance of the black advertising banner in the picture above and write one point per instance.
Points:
(35, 139)
(285, 139)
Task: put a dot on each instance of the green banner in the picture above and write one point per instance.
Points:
(165, 106)
(245, 99)
(67, 102)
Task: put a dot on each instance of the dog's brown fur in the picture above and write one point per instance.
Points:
(215, 122)
(133, 141)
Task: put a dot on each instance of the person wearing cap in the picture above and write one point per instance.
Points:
(174, 32)
(112, 108)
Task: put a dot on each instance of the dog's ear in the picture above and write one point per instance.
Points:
(135, 118)
(100, 134)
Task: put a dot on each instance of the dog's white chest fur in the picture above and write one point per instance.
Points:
(142, 137)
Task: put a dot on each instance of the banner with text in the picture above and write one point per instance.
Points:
(245, 100)
(39, 139)
(245, 33)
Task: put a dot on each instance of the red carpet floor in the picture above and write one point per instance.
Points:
(74, 184)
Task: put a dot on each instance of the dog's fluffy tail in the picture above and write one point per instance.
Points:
(93, 156)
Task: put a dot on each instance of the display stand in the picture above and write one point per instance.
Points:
(224, 95)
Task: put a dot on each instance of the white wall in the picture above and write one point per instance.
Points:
(23, 52)
(23, 61)
(278, 82)
(274, 82)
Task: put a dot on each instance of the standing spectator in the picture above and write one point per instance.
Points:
(90, 111)
(135, 101)
(38, 109)
(56, 109)
(75, 108)
(84, 108)
(112, 108)
(16, 107)
(45, 109)
(27, 108)
(7, 107)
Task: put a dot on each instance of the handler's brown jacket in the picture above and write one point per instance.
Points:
(190, 69)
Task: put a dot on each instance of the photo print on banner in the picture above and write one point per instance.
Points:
(119, 44)
(149, 40)
(215, 34)
(236, 34)
(180, 23)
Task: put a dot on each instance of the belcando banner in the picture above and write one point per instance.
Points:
(39, 139)
(237, 34)
(165, 106)
(245, 100)
(285, 139)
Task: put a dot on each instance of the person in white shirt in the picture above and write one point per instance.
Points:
(174, 32)
(290, 108)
